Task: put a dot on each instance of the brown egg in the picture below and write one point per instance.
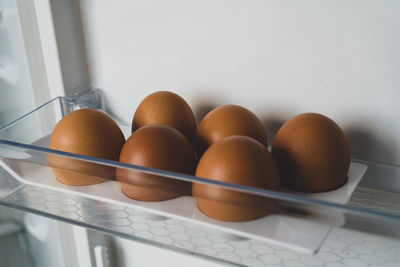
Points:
(312, 153)
(160, 147)
(87, 132)
(226, 121)
(165, 108)
(238, 160)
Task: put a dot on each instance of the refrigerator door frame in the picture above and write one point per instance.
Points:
(52, 33)
(40, 42)
(41, 49)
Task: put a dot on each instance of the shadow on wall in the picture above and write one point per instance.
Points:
(272, 126)
(366, 146)
(202, 108)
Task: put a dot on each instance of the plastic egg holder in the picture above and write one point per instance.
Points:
(302, 232)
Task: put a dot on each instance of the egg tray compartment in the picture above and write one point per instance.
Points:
(24, 147)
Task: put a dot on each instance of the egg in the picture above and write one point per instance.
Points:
(312, 153)
(87, 132)
(226, 121)
(165, 108)
(238, 160)
(160, 147)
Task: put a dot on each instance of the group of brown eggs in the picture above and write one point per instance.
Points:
(310, 153)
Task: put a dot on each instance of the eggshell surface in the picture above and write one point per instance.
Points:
(238, 160)
(159, 147)
(312, 153)
(165, 108)
(87, 132)
(227, 121)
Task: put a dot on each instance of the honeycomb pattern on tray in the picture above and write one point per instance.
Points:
(341, 248)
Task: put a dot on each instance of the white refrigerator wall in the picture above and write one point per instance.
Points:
(278, 58)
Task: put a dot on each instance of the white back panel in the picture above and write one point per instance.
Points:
(278, 58)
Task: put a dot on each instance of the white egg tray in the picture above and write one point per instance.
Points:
(304, 233)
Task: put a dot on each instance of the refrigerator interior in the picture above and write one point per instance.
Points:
(277, 58)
